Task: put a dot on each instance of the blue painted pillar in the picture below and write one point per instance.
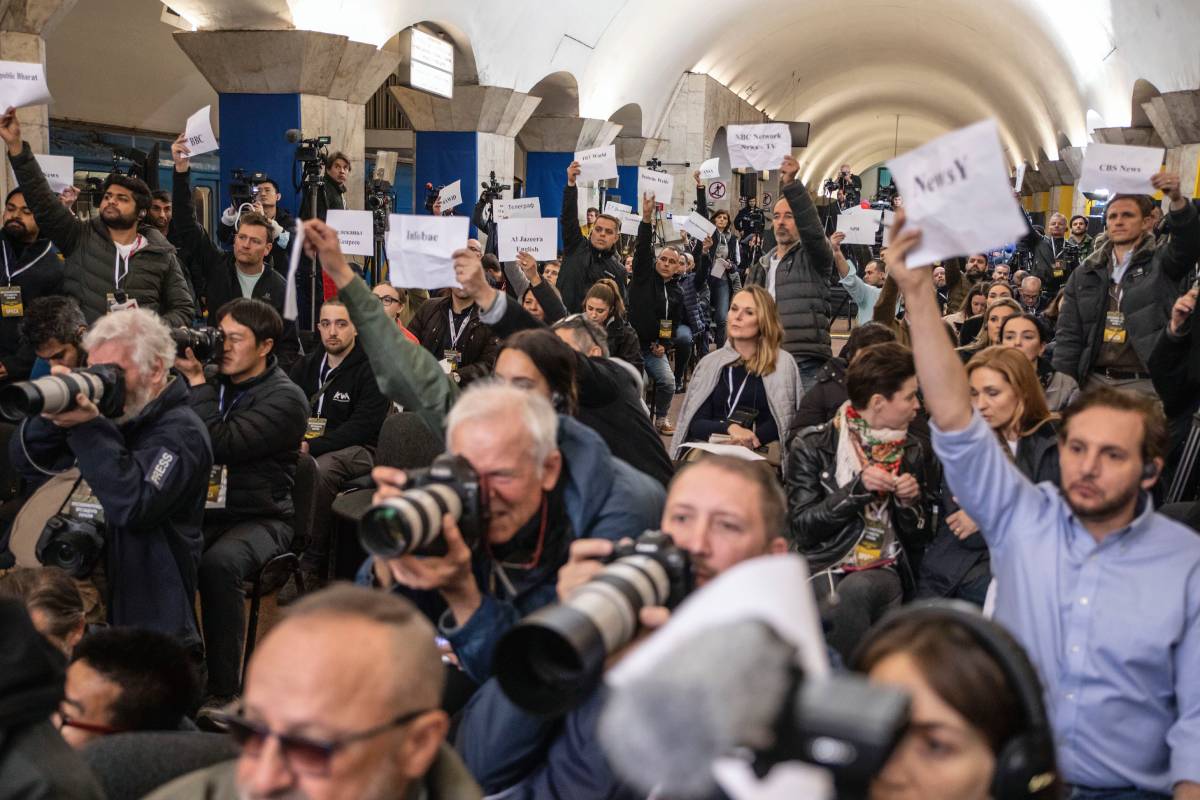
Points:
(443, 157)
(252, 131)
(545, 178)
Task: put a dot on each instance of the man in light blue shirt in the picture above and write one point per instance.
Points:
(863, 291)
(1103, 592)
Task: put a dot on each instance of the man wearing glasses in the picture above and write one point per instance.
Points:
(347, 411)
(324, 720)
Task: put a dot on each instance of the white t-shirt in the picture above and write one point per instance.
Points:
(248, 282)
(771, 270)
(125, 250)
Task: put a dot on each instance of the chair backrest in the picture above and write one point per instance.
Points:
(406, 442)
(134, 764)
(304, 498)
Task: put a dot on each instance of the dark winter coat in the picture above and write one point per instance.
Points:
(478, 344)
(582, 264)
(38, 269)
(649, 295)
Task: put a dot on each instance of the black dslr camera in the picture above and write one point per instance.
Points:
(549, 661)
(71, 544)
(412, 522)
(208, 344)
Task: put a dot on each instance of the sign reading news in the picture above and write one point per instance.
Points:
(420, 250)
(761, 147)
(538, 237)
(1119, 169)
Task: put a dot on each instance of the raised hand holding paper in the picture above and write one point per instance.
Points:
(22, 84)
(420, 250)
(521, 208)
(617, 209)
(761, 147)
(710, 169)
(59, 171)
(860, 227)
(538, 237)
(659, 184)
(597, 164)
(956, 190)
(1119, 168)
(629, 222)
(199, 132)
(450, 195)
(696, 224)
(356, 231)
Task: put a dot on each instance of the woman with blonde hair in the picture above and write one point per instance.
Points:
(747, 390)
(989, 332)
(1006, 392)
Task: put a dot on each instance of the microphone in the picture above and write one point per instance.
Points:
(663, 729)
(293, 135)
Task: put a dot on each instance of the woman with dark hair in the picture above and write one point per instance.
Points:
(1028, 334)
(973, 306)
(723, 280)
(988, 332)
(976, 698)
(822, 401)
(603, 305)
(1006, 392)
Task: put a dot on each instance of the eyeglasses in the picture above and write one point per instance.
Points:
(303, 755)
(64, 721)
(387, 300)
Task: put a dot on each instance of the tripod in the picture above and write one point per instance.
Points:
(310, 187)
(375, 267)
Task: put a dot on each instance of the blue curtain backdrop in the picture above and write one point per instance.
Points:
(252, 138)
(444, 157)
(627, 190)
(545, 178)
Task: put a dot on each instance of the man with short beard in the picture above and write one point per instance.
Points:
(33, 268)
(113, 261)
(148, 468)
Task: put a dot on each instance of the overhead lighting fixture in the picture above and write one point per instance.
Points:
(429, 66)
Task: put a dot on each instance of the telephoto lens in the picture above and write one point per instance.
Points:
(411, 524)
(551, 660)
(103, 384)
(208, 344)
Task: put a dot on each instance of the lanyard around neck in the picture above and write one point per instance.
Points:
(733, 399)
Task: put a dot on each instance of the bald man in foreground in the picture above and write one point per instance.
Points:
(342, 700)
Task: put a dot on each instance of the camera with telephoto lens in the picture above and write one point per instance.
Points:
(208, 344)
(73, 545)
(549, 661)
(103, 384)
(411, 524)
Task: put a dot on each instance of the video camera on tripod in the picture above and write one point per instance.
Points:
(491, 188)
(379, 203)
(310, 154)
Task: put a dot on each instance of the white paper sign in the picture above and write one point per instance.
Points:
(677, 221)
(1019, 178)
(290, 308)
(521, 208)
(659, 184)
(630, 223)
(710, 169)
(761, 147)
(696, 224)
(859, 228)
(617, 209)
(1121, 169)
(538, 237)
(956, 190)
(59, 171)
(22, 84)
(451, 195)
(597, 164)
(356, 230)
(420, 250)
(200, 138)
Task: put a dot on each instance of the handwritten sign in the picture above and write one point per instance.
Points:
(617, 209)
(860, 227)
(956, 190)
(420, 250)
(659, 184)
(199, 133)
(630, 223)
(710, 169)
(356, 230)
(696, 224)
(761, 147)
(1121, 169)
(597, 164)
(22, 84)
(59, 171)
(451, 195)
(538, 237)
(521, 208)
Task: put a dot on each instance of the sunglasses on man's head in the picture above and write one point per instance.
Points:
(302, 753)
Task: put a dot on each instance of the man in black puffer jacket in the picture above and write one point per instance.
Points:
(798, 273)
(858, 496)
(256, 418)
(586, 261)
(1117, 301)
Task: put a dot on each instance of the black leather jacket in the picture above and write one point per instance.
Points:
(826, 520)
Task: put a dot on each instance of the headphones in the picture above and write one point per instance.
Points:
(1025, 764)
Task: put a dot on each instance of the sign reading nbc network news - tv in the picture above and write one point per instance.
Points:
(430, 63)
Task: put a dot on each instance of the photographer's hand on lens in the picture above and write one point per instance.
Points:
(573, 170)
(583, 564)
(449, 574)
(190, 368)
(1183, 309)
(180, 153)
(389, 482)
(10, 131)
(84, 411)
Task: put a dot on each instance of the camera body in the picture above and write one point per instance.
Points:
(552, 659)
(208, 344)
(758, 220)
(492, 189)
(74, 545)
(411, 524)
(243, 186)
(1072, 254)
(103, 384)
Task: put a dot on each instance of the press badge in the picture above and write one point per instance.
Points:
(453, 358)
(315, 427)
(664, 329)
(10, 302)
(218, 483)
(1058, 269)
(870, 547)
(1114, 327)
(120, 305)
